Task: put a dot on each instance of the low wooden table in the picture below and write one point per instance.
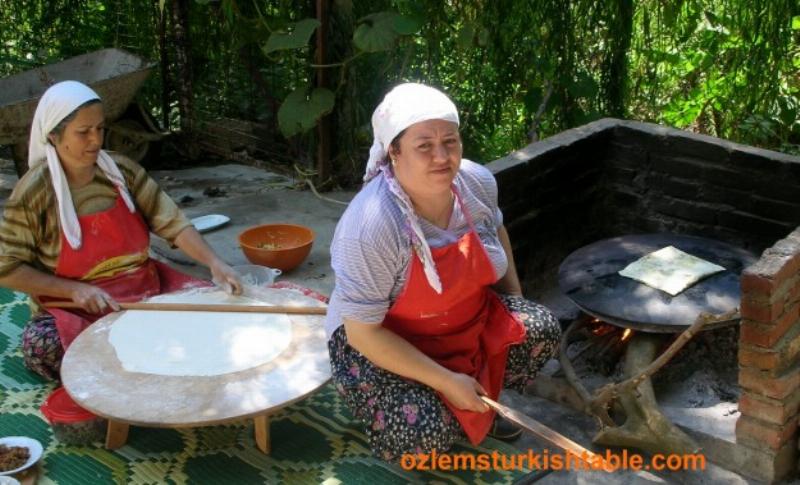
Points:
(96, 380)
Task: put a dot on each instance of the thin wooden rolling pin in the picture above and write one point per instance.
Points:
(204, 307)
(541, 431)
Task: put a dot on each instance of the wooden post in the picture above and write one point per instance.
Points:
(164, 64)
(324, 125)
(262, 433)
(183, 68)
(116, 435)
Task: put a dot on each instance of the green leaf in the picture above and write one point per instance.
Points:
(483, 37)
(466, 35)
(300, 112)
(229, 9)
(376, 32)
(407, 24)
(299, 35)
(533, 99)
(796, 22)
(344, 6)
(582, 87)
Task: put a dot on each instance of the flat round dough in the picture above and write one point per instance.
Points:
(173, 343)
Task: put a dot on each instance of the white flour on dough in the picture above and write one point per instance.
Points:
(178, 343)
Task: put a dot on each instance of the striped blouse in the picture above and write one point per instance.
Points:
(30, 230)
(371, 248)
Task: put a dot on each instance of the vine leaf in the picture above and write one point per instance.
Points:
(301, 110)
(407, 25)
(297, 36)
(379, 31)
(376, 32)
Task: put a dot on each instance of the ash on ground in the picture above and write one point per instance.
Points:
(702, 374)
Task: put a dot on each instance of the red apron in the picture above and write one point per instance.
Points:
(466, 329)
(109, 237)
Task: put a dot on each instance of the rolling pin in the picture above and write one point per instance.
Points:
(205, 307)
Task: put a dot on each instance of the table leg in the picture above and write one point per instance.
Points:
(116, 435)
(262, 433)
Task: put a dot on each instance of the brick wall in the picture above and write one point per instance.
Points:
(614, 177)
(695, 184)
(769, 357)
(552, 200)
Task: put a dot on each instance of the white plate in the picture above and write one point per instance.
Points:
(33, 446)
(209, 222)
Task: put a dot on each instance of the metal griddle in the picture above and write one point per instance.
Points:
(589, 278)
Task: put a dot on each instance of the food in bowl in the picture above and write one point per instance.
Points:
(13, 457)
(281, 246)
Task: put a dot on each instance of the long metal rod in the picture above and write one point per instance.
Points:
(541, 431)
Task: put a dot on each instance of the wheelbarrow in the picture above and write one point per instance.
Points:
(116, 75)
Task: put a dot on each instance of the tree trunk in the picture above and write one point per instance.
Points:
(324, 138)
(164, 64)
(183, 63)
(617, 59)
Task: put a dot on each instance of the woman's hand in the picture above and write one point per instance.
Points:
(224, 276)
(93, 299)
(192, 243)
(464, 392)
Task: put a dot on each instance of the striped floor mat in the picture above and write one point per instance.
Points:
(314, 441)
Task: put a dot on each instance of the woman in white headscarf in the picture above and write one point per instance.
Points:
(427, 312)
(77, 227)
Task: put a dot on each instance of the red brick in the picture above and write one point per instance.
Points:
(794, 265)
(760, 311)
(754, 432)
(777, 359)
(767, 335)
(790, 268)
(792, 350)
(770, 410)
(760, 382)
(759, 358)
(757, 284)
(794, 294)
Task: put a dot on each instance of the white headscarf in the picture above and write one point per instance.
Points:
(403, 106)
(57, 103)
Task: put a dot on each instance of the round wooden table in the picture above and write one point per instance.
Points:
(96, 380)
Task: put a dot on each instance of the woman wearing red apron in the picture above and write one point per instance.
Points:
(77, 227)
(427, 313)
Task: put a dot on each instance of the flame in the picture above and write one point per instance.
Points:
(626, 334)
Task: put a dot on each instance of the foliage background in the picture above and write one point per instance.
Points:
(517, 69)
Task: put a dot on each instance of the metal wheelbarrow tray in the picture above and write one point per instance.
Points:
(116, 75)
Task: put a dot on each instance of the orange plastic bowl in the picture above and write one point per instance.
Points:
(282, 246)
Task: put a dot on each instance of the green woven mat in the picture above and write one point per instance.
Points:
(314, 441)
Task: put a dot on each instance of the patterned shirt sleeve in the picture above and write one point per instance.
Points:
(21, 222)
(162, 214)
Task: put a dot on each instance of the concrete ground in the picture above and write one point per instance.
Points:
(251, 196)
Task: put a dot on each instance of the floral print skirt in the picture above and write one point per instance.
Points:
(41, 346)
(405, 416)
